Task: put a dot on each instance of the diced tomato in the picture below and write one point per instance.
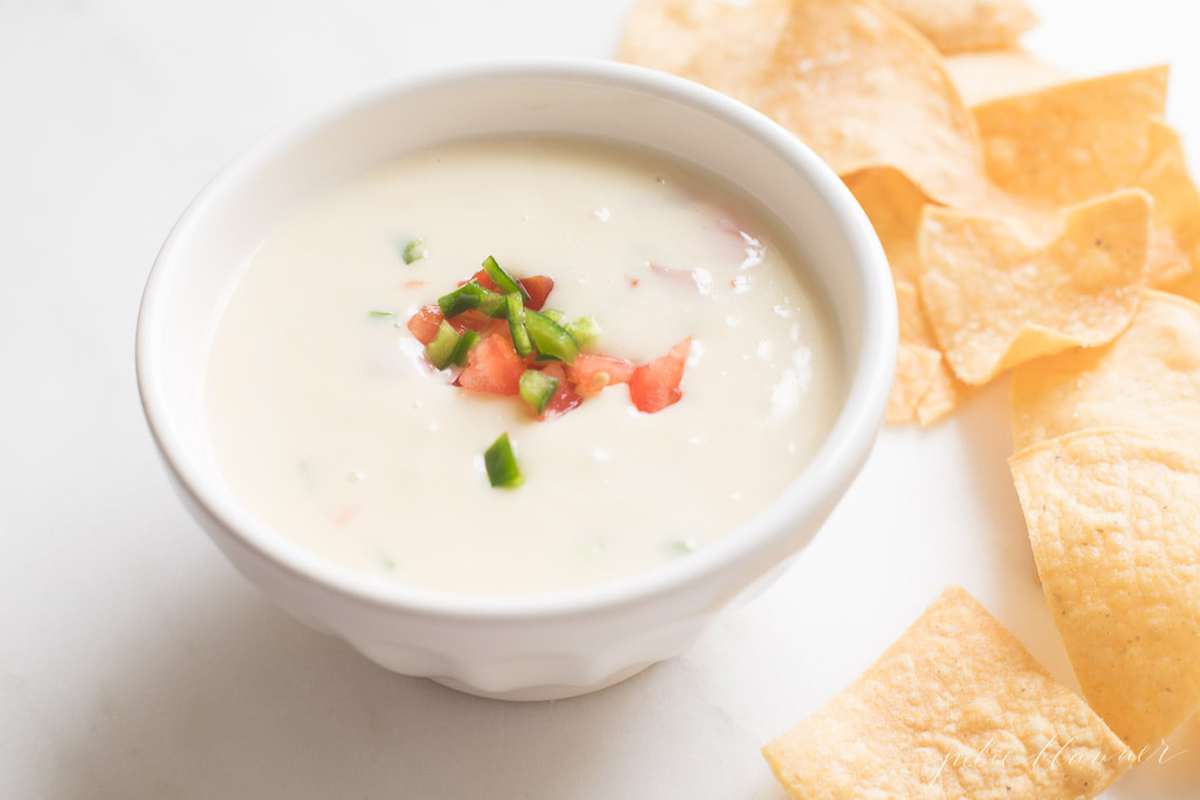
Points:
(424, 324)
(538, 287)
(484, 280)
(591, 372)
(655, 384)
(472, 319)
(497, 327)
(492, 366)
(565, 397)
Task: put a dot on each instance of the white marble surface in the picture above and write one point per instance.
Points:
(135, 664)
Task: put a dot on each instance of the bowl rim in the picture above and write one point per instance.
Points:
(837, 460)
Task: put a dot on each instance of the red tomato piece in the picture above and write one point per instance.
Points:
(655, 384)
(484, 280)
(424, 324)
(493, 366)
(538, 287)
(591, 372)
(472, 319)
(565, 397)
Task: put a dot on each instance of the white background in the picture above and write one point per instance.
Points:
(134, 663)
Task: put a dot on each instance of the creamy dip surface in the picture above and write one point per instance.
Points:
(331, 427)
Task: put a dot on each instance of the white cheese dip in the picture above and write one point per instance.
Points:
(331, 428)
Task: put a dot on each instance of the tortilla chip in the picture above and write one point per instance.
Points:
(997, 298)
(957, 25)
(923, 390)
(667, 34)
(894, 205)
(1084, 138)
(864, 89)
(1148, 379)
(715, 42)
(1114, 519)
(981, 77)
(1075, 141)
(956, 708)
(1175, 246)
(1189, 287)
(852, 79)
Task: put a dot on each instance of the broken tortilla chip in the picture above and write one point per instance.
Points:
(981, 77)
(1077, 140)
(996, 298)
(714, 42)
(1074, 141)
(1148, 379)
(955, 708)
(957, 25)
(863, 89)
(1114, 519)
(894, 205)
(1175, 246)
(923, 390)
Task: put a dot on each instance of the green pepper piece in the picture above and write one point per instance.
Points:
(414, 251)
(537, 388)
(441, 350)
(472, 295)
(501, 464)
(493, 303)
(516, 324)
(550, 338)
(466, 341)
(506, 283)
(464, 298)
(584, 331)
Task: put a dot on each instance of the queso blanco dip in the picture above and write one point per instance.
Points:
(684, 371)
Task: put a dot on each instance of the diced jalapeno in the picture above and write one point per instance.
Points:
(441, 350)
(414, 251)
(466, 340)
(472, 295)
(584, 331)
(501, 464)
(505, 282)
(464, 298)
(492, 303)
(550, 338)
(516, 324)
(537, 388)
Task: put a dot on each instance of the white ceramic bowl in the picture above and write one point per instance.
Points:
(550, 646)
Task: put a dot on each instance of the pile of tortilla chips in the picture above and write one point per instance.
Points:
(983, 209)
(1034, 223)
